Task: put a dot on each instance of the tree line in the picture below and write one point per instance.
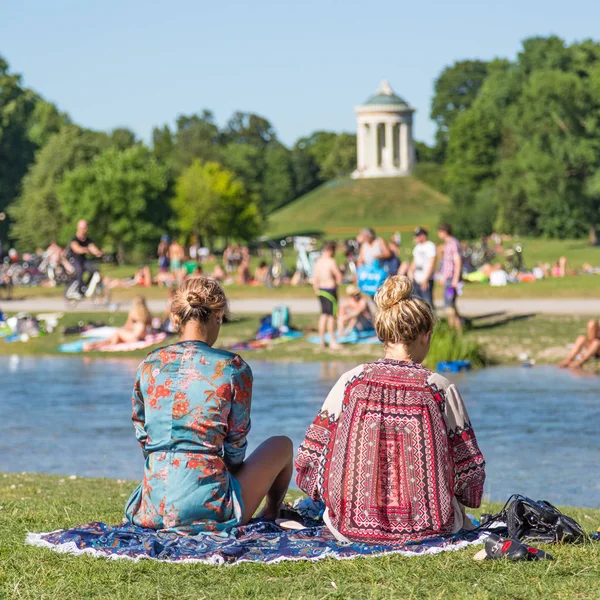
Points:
(518, 142)
(193, 179)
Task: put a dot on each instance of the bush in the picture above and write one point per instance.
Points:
(449, 344)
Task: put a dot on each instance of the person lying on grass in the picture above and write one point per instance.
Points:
(191, 413)
(584, 348)
(137, 326)
(392, 453)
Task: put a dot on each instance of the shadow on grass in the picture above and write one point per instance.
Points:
(476, 327)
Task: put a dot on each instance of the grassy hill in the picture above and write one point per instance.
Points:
(340, 207)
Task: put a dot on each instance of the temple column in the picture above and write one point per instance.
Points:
(360, 147)
(411, 147)
(404, 150)
(388, 153)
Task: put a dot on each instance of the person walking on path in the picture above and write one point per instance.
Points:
(422, 266)
(450, 273)
(326, 278)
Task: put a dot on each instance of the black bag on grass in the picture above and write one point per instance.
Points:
(531, 520)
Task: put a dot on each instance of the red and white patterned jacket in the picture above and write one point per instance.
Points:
(392, 454)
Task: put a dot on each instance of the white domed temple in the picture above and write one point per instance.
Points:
(384, 138)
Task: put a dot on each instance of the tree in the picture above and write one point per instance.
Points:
(341, 160)
(26, 122)
(529, 144)
(306, 171)
(455, 91)
(37, 213)
(247, 161)
(210, 201)
(278, 182)
(196, 136)
(122, 194)
(122, 138)
(248, 128)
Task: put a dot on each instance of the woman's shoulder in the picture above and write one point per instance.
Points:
(439, 381)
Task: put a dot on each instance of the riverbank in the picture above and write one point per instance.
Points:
(30, 502)
(505, 339)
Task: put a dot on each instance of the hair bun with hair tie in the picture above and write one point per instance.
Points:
(195, 300)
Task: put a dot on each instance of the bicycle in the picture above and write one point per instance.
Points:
(95, 291)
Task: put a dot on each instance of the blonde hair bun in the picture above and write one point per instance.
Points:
(393, 291)
(195, 300)
(401, 317)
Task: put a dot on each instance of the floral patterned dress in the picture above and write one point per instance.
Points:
(191, 413)
(392, 454)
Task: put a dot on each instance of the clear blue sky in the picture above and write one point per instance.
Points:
(303, 65)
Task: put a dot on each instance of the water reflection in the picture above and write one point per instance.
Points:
(538, 428)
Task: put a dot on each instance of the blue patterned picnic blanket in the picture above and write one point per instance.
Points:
(259, 541)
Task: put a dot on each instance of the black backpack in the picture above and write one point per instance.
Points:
(531, 520)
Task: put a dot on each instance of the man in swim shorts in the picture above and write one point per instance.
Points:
(326, 278)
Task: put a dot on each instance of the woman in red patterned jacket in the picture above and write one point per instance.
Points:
(392, 453)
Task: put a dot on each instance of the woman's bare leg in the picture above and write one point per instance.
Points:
(266, 473)
(580, 343)
(592, 350)
(593, 330)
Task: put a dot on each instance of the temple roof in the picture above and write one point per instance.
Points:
(386, 96)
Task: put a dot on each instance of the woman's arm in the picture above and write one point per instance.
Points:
(238, 424)
(138, 413)
(468, 461)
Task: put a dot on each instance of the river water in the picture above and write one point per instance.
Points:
(538, 428)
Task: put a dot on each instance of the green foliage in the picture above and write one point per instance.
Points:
(529, 144)
(37, 214)
(448, 344)
(431, 173)
(122, 194)
(455, 91)
(210, 201)
(26, 122)
(341, 160)
(278, 182)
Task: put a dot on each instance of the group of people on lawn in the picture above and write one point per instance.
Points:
(356, 310)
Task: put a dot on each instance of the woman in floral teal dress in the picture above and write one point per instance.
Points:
(191, 412)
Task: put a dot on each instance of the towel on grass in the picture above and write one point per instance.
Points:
(260, 541)
(354, 337)
(149, 340)
(78, 346)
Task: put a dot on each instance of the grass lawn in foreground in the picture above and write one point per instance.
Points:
(504, 338)
(37, 503)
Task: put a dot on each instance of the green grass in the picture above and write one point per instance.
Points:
(496, 339)
(44, 503)
(343, 206)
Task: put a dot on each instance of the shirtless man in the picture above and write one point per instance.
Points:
(326, 277)
(585, 347)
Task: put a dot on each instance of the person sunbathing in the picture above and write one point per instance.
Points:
(585, 347)
(191, 413)
(392, 453)
(354, 313)
(135, 329)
